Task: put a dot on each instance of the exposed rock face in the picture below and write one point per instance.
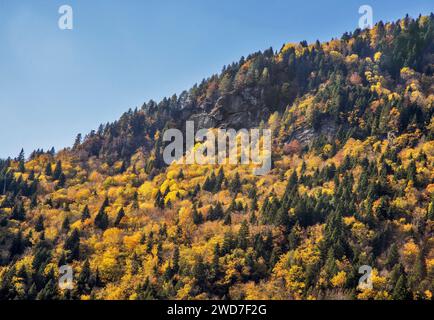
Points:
(306, 134)
(233, 110)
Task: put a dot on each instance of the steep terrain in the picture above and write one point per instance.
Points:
(352, 184)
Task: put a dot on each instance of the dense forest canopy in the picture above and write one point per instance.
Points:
(352, 184)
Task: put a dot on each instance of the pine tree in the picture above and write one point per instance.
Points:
(430, 211)
(21, 167)
(334, 234)
(228, 243)
(420, 267)
(401, 292)
(48, 171)
(228, 219)
(215, 213)
(101, 219)
(219, 180)
(21, 159)
(39, 225)
(393, 257)
(18, 245)
(253, 220)
(33, 201)
(243, 235)
(85, 281)
(85, 214)
(200, 273)
(57, 170)
(159, 200)
(18, 212)
(197, 216)
(176, 260)
(210, 183)
(235, 184)
(50, 291)
(72, 246)
(119, 217)
(411, 171)
(62, 181)
(77, 141)
(65, 224)
(181, 175)
(215, 259)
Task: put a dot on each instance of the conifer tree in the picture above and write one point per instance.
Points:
(48, 170)
(119, 217)
(72, 246)
(57, 170)
(176, 260)
(85, 280)
(101, 219)
(401, 291)
(197, 216)
(62, 181)
(235, 184)
(18, 245)
(430, 211)
(228, 219)
(18, 212)
(243, 235)
(39, 225)
(85, 214)
(393, 257)
(65, 224)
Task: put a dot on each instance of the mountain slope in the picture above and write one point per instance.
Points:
(352, 184)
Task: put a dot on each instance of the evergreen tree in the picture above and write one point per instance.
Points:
(243, 235)
(119, 217)
(101, 219)
(197, 216)
(57, 170)
(159, 200)
(77, 141)
(39, 225)
(48, 171)
(72, 246)
(85, 214)
(216, 213)
(393, 257)
(235, 184)
(219, 180)
(430, 211)
(85, 281)
(176, 260)
(228, 243)
(65, 224)
(215, 265)
(50, 290)
(411, 171)
(228, 219)
(401, 291)
(18, 245)
(18, 212)
(200, 273)
(62, 181)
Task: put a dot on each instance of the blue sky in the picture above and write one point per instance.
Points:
(56, 83)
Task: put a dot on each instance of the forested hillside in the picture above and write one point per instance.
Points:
(352, 184)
